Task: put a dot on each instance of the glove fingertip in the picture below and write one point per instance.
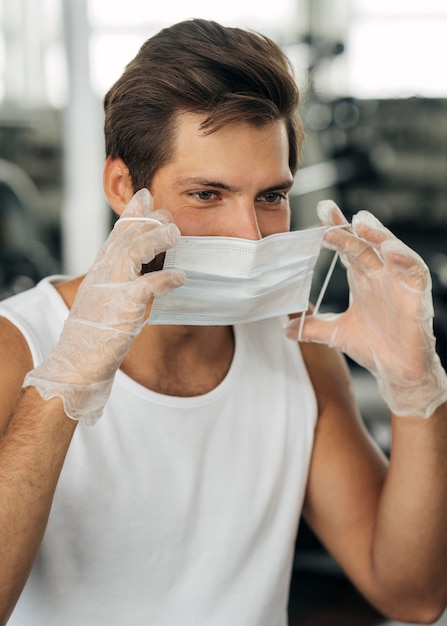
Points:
(140, 205)
(314, 328)
(162, 281)
(178, 276)
(398, 255)
(366, 218)
(325, 209)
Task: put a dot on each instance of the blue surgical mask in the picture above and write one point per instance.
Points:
(231, 280)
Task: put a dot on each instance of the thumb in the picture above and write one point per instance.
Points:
(157, 283)
(321, 328)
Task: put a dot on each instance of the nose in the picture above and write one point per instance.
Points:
(244, 221)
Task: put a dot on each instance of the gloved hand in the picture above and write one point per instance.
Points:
(388, 326)
(108, 312)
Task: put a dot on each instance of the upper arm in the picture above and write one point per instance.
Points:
(347, 469)
(15, 362)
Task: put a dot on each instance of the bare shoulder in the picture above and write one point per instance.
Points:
(15, 362)
(15, 355)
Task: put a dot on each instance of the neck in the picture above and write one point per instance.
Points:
(174, 360)
(180, 360)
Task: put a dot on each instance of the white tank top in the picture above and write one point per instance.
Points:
(176, 511)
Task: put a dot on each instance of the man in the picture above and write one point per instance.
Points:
(181, 504)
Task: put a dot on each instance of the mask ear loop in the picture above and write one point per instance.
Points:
(320, 295)
(138, 219)
(323, 288)
(326, 283)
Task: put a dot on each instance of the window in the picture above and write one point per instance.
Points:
(119, 28)
(32, 62)
(397, 48)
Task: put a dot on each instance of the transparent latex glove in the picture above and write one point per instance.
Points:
(388, 326)
(108, 312)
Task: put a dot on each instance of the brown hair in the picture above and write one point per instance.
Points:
(228, 74)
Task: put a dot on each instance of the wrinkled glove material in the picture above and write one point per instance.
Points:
(388, 326)
(108, 312)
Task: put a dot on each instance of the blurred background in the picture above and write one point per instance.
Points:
(374, 105)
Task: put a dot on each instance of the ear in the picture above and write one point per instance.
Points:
(117, 184)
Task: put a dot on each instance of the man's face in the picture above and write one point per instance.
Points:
(233, 182)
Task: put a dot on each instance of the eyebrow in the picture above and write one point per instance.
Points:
(201, 182)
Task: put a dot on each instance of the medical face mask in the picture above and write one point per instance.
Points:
(231, 280)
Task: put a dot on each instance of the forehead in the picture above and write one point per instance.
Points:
(233, 146)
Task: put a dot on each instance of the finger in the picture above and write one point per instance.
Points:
(141, 205)
(162, 215)
(330, 214)
(126, 230)
(396, 254)
(137, 245)
(353, 250)
(367, 226)
(316, 328)
(399, 257)
(159, 283)
(146, 245)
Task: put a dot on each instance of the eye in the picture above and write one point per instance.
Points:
(204, 195)
(273, 197)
